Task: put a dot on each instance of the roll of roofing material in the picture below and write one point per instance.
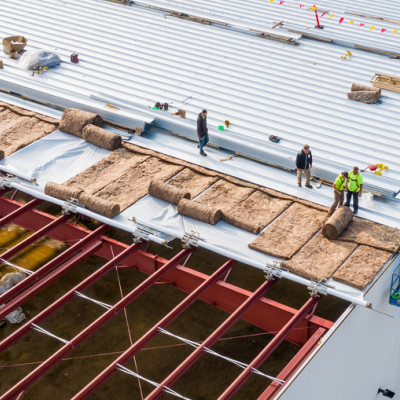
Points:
(168, 192)
(74, 120)
(99, 205)
(199, 211)
(101, 137)
(357, 87)
(364, 96)
(337, 223)
(1, 154)
(61, 192)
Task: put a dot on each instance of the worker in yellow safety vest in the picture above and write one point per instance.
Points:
(338, 191)
(354, 188)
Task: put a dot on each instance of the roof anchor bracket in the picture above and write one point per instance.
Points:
(191, 239)
(318, 287)
(274, 271)
(69, 207)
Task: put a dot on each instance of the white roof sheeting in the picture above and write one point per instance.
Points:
(139, 55)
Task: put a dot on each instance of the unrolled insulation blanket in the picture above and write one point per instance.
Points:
(73, 121)
(101, 137)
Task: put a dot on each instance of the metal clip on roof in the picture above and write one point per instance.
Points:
(191, 239)
(274, 271)
(69, 207)
(318, 287)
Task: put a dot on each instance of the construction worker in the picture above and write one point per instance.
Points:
(202, 131)
(354, 188)
(304, 164)
(338, 191)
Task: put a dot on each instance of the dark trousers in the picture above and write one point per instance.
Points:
(349, 195)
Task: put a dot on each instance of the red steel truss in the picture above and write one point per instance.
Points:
(239, 303)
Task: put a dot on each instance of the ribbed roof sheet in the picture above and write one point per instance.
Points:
(263, 87)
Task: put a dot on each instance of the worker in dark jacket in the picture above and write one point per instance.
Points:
(202, 131)
(304, 164)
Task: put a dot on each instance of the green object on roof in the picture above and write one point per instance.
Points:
(221, 127)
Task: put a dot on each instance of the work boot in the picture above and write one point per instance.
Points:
(309, 186)
(299, 184)
(355, 211)
(203, 154)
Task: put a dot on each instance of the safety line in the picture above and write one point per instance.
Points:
(24, 270)
(100, 303)
(166, 389)
(41, 330)
(212, 352)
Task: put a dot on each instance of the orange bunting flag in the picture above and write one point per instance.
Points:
(383, 30)
(313, 8)
(372, 28)
(394, 31)
(341, 20)
(290, 4)
(332, 15)
(351, 21)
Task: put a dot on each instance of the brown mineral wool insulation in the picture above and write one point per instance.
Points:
(213, 174)
(362, 266)
(289, 232)
(101, 206)
(61, 192)
(256, 212)
(224, 196)
(192, 182)
(134, 184)
(1, 154)
(25, 113)
(202, 212)
(167, 192)
(106, 171)
(360, 87)
(364, 96)
(319, 258)
(73, 121)
(101, 137)
(18, 131)
(337, 223)
(372, 234)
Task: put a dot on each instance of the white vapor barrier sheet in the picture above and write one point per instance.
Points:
(56, 157)
(222, 236)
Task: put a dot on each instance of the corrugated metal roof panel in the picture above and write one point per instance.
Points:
(263, 87)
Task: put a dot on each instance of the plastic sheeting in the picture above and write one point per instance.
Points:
(57, 157)
(222, 236)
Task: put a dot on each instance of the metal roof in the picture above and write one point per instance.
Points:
(142, 55)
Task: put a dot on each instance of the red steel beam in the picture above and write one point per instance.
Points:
(293, 365)
(171, 316)
(19, 211)
(34, 236)
(18, 288)
(94, 326)
(193, 357)
(87, 251)
(267, 351)
(68, 296)
(223, 295)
